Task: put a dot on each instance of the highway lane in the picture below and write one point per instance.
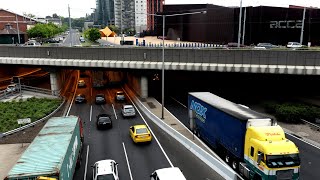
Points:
(308, 154)
(110, 143)
(74, 38)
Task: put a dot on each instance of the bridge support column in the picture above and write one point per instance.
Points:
(54, 83)
(144, 87)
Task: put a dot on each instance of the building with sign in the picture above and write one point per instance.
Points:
(220, 24)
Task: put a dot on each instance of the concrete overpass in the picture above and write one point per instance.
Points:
(221, 60)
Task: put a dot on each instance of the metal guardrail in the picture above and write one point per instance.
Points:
(215, 164)
(35, 122)
(311, 124)
(37, 90)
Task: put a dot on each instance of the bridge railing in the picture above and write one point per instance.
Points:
(181, 55)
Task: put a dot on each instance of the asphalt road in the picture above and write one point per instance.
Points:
(309, 155)
(142, 159)
(74, 38)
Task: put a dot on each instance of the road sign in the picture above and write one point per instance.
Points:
(24, 121)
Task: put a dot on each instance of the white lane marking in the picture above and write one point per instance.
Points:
(178, 102)
(125, 153)
(85, 168)
(91, 113)
(74, 94)
(115, 115)
(165, 154)
(304, 141)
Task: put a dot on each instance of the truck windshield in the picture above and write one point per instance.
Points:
(277, 161)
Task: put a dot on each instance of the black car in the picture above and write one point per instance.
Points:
(100, 99)
(80, 98)
(104, 121)
(267, 45)
(52, 41)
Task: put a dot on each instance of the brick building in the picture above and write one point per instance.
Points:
(153, 7)
(15, 21)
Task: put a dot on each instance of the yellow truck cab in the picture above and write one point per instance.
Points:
(269, 154)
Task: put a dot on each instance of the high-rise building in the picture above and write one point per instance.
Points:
(124, 14)
(105, 12)
(140, 15)
(153, 6)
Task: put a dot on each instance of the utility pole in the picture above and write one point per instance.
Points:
(121, 39)
(240, 17)
(70, 32)
(244, 25)
(302, 28)
(18, 29)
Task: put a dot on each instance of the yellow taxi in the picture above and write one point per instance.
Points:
(140, 133)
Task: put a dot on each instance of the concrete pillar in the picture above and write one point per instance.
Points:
(55, 85)
(144, 87)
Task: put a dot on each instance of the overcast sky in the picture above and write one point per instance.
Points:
(79, 8)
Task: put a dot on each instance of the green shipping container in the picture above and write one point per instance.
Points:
(53, 153)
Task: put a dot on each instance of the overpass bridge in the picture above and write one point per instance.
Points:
(176, 59)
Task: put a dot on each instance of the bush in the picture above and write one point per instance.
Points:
(292, 112)
(33, 108)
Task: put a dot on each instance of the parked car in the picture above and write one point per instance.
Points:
(294, 45)
(167, 174)
(80, 98)
(100, 99)
(265, 46)
(32, 43)
(52, 40)
(120, 96)
(234, 44)
(104, 121)
(140, 133)
(105, 170)
(128, 111)
(81, 83)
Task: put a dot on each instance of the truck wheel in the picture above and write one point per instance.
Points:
(235, 165)
(227, 158)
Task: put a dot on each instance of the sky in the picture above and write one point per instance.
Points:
(79, 8)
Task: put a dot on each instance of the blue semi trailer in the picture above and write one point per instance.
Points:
(249, 141)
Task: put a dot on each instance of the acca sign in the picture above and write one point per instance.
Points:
(290, 24)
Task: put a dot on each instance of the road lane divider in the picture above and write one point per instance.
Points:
(125, 153)
(90, 113)
(114, 111)
(86, 167)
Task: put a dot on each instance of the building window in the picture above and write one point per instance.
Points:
(252, 151)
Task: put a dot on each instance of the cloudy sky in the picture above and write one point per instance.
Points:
(79, 8)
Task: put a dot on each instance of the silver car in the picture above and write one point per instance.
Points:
(120, 96)
(128, 111)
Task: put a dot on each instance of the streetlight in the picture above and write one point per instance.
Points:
(163, 29)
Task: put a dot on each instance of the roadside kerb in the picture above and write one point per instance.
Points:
(225, 171)
(35, 122)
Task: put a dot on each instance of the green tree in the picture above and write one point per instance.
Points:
(43, 31)
(114, 28)
(92, 34)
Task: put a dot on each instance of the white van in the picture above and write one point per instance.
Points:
(173, 173)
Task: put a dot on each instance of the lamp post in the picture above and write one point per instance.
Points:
(163, 33)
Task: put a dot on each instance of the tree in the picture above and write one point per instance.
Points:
(114, 28)
(43, 31)
(55, 15)
(92, 34)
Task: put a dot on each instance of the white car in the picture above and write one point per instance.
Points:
(120, 96)
(105, 169)
(294, 45)
(168, 174)
(128, 111)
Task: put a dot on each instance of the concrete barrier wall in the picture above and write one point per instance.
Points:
(219, 56)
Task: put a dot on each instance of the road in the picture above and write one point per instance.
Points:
(135, 161)
(72, 39)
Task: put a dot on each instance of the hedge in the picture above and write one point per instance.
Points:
(33, 108)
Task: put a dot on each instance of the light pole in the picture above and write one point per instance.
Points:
(163, 33)
(240, 17)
